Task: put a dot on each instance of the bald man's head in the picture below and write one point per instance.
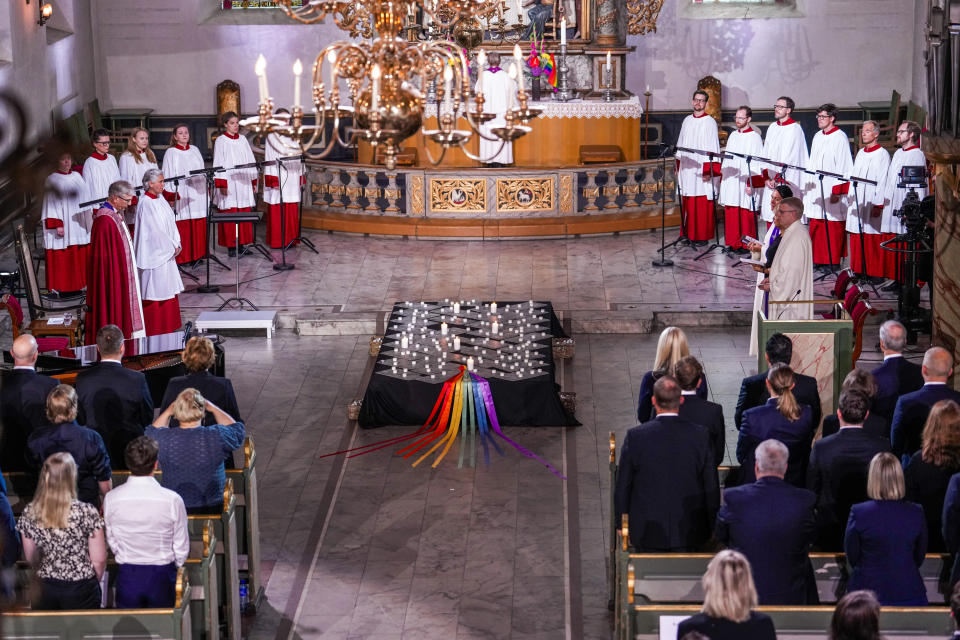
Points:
(24, 350)
(937, 364)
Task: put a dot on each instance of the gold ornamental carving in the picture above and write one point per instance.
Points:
(643, 16)
(525, 194)
(415, 190)
(468, 195)
(566, 193)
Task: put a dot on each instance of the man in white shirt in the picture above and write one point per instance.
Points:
(739, 209)
(695, 171)
(826, 207)
(147, 531)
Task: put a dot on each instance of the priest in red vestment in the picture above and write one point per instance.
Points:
(113, 286)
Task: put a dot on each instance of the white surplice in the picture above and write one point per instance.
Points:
(783, 143)
(828, 152)
(791, 275)
(759, 294)
(132, 171)
(893, 196)
(697, 132)
(498, 92)
(156, 243)
(62, 196)
(178, 161)
(288, 174)
(99, 172)
(735, 179)
(228, 152)
(871, 163)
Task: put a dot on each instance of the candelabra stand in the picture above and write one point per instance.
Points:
(608, 84)
(563, 94)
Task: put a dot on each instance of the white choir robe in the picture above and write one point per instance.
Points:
(156, 243)
(759, 294)
(99, 172)
(67, 256)
(188, 198)
(863, 226)
(783, 143)
(286, 194)
(498, 91)
(228, 152)
(791, 272)
(697, 132)
(738, 217)
(891, 199)
(132, 171)
(828, 152)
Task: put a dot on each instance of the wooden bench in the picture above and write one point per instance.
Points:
(600, 153)
(201, 568)
(248, 519)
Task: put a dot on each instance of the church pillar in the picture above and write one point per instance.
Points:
(607, 23)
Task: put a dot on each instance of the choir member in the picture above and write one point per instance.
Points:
(785, 143)
(156, 243)
(236, 188)
(100, 170)
(738, 210)
(695, 171)
(134, 162)
(829, 151)
(188, 197)
(66, 229)
(892, 196)
(281, 189)
(498, 88)
(863, 226)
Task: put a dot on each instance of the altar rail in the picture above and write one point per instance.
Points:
(491, 202)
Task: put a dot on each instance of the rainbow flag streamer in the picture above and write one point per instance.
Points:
(465, 408)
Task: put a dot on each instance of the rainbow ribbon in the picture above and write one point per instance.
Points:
(465, 408)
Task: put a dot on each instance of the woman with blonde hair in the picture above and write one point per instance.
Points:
(63, 539)
(672, 346)
(886, 538)
(781, 418)
(729, 598)
(133, 163)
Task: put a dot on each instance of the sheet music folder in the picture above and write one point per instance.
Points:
(237, 216)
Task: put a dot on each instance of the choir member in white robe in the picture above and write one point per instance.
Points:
(66, 229)
(695, 171)
(188, 197)
(863, 226)
(765, 250)
(134, 162)
(892, 197)
(498, 90)
(156, 244)
(829, 151)
(785, 143)
(791, 272)
(100, 170)
(739, 217)
(236, 188)
(281, 189)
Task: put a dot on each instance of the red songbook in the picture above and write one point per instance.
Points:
(134, 202)
(220, 183)
(757, 181)
(708, 166)
(170, 195)
(766, 174)
(878, 210)
(271, 181)
(52, 223)
(841, 189)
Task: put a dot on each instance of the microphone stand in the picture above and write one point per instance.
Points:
(176, 195)
(863, 251)
(753, 199)
(300, 237)
(663, 260)
(826, 221)
(282, 265)
(256, 245)
(210, 255)
(713, 205)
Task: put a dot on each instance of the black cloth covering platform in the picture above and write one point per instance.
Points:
(531, 401)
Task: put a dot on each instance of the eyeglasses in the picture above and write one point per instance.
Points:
(823, 116)
(99, 142)
(780, 106)
(699, 100)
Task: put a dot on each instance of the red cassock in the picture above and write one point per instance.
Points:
(820, 237)
(113, 294)
(290, 217)
(67, 268)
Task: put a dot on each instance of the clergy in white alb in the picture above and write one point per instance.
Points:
(498, 89)
(134, 162)
(188, 197)
(785, 143)
(791, 272)
(892, 197)
(236, 188)
(863, 224)
(829, 151)
(156, 243)
(698, 173)
(100, 170)
(66, 229)
(283, 177)
(739, 218)
(765, 250)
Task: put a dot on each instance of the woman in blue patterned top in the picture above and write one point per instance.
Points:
(191, 455)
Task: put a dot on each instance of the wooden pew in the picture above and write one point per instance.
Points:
(173, 624)
(201, 568)
(248, 519)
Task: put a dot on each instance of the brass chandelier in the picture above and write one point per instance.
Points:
(388, 81)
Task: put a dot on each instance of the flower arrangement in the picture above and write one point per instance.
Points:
(541, 63)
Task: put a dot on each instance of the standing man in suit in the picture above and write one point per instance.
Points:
(773, 524)
(114, 401)
(838, 468)
(897, 375)
(753, 389)
(23, 402)
(695, 409)
(910, 413)
(667, 480)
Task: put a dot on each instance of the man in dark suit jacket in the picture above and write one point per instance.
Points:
(912, 409)
(838, 468)
(667, 478)
(772, 523)
(753, 389)
(23, 403)
(897, 375)
(695, 409)
(114, 401)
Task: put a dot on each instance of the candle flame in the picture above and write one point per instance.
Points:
(297, 67)
(261, 66)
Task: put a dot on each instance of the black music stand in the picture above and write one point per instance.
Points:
(663, 260)
(236, 218)
(863, 247)
(210, 255)
(256, 245)
(713, 205)
(176, 195)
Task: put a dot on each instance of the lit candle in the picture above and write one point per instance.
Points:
(495, 327)
(443, 328)
(470, 363)
(563, 31)
(297, 72)
(517, 53)
(404, 343)
(332, 61)
(456, 308)
(375, 90)
(456, 343)
(493, 307)
(648, 88)
(608, 61)
(481, 65)
(260, 68)
(447, 79)
(514, 71)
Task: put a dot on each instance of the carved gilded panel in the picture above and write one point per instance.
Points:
(525, 194)
(415, 191)
(566, 193)
(467, 195)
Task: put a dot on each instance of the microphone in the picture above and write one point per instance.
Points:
(792, 298)
(666, 150)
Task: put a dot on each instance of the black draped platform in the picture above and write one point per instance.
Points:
(517, 361)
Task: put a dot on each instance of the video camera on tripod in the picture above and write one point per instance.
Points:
(913, 213)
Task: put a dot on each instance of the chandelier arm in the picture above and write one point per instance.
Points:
(479, 157)
(443, 152)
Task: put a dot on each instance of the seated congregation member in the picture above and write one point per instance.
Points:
(729, 598)
(857, 617)
(951, 525)
(667, 480)
(754, 392)
(910, 414)
(198, 357)
(863, 381)
(85, 446)
(114, 401)
(838, 468)
(897, 375)
(191, 456)
(781, 418)
(23, 402)
(147, 531)
(63, 540)
(773, 524)
(886, 538)
(689, 372)
(929, 470)
(671, 346)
